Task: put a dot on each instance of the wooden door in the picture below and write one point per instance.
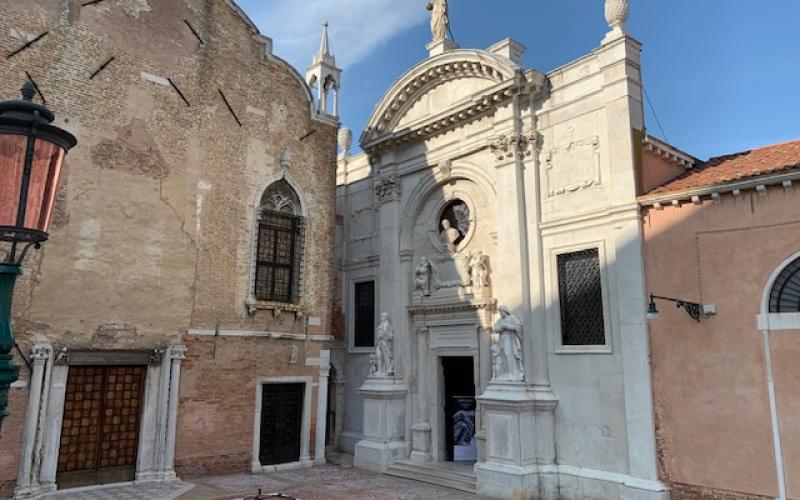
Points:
(281, 423)
(100, 431)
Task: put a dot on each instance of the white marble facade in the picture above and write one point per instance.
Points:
(521, 166)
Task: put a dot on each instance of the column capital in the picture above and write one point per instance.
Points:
(507, 147)
(387, 189)
(177, 352)
(40, 353)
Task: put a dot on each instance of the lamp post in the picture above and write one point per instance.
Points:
(31, 156)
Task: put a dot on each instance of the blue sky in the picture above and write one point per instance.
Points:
(723, 75)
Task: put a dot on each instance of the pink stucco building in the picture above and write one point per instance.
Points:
(725, 233)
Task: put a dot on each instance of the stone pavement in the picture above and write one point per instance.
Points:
(319, 483)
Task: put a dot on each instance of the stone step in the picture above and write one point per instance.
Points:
(435, 474)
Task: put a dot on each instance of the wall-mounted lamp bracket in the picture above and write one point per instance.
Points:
(694, 309)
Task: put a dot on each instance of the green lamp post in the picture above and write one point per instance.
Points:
(31, 156)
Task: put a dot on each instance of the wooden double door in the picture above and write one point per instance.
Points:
(100, 431)
(281, 423)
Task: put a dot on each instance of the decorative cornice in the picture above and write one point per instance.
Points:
(451, 307)
(668, 152)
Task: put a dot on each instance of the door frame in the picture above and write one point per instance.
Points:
(439, 450)
(305, 429)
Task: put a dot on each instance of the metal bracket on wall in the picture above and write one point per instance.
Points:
(27, 44)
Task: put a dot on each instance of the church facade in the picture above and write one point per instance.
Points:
(491, 231)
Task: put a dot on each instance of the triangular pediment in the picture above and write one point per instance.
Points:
(434, 87)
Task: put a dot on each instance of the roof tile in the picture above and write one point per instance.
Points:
(736, 167)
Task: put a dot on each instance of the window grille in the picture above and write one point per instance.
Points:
(275, 260)
(785, 294)
(581, 297)
(364, 315)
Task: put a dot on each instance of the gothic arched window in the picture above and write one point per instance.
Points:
(279, 252)
(785, 294)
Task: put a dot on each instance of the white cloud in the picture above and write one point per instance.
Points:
(357, 27)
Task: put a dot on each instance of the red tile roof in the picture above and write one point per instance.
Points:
(736, 167)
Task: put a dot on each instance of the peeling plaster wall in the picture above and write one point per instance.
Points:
(152, 233)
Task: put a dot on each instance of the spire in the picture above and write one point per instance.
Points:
(324, 77)
(324, 55)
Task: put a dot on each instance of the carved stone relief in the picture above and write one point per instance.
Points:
(387, 189)
(507, 147)
(573, 166)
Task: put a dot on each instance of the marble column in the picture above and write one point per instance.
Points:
(421, 430)
(322, 414)
(177, 354)
(30, 461)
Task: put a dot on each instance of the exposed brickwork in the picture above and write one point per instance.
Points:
(736, 167)
(693, 492)
(153, 229)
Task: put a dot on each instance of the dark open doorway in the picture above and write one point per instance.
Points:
(459, 408)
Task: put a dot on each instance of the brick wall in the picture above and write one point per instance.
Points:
(153, 227)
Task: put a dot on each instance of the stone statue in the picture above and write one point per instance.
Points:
(384, 351)
(440, 22)
(478, 269)
(425, 276)
(507, 362)
(373, 364)
(449, 236)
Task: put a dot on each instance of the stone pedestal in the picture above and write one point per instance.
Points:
(515, 441)
(421, 443)
(384, 424)
(436, 48)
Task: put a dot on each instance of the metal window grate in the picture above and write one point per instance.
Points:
(364, 314)
(275, 259)
(581, 296)
(785, 294)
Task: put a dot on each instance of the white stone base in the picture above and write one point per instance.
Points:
(384, 424)
(579, 483)
(507, 481)
(377, 457)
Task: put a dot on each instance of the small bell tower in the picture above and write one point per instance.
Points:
(324, 78)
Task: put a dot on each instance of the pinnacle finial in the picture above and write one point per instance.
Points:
(617, 13)
(28, 91)
(324, 47)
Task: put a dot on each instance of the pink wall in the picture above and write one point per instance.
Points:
(709, 379)
(658, 171)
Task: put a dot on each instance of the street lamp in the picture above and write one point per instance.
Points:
(31, 156)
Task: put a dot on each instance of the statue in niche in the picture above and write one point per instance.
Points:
(507, 358)
(425, 276)
(294, 354)
(478, 270)
(384, 351)
(450, 236)
(440, 21)
(454, 225)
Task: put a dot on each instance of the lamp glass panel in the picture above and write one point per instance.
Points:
(45, 174)
(12, 162)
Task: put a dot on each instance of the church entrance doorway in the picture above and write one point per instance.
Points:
(100, 428)
(459, 409)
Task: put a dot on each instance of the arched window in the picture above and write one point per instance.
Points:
(279, 251)
(785, 294)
